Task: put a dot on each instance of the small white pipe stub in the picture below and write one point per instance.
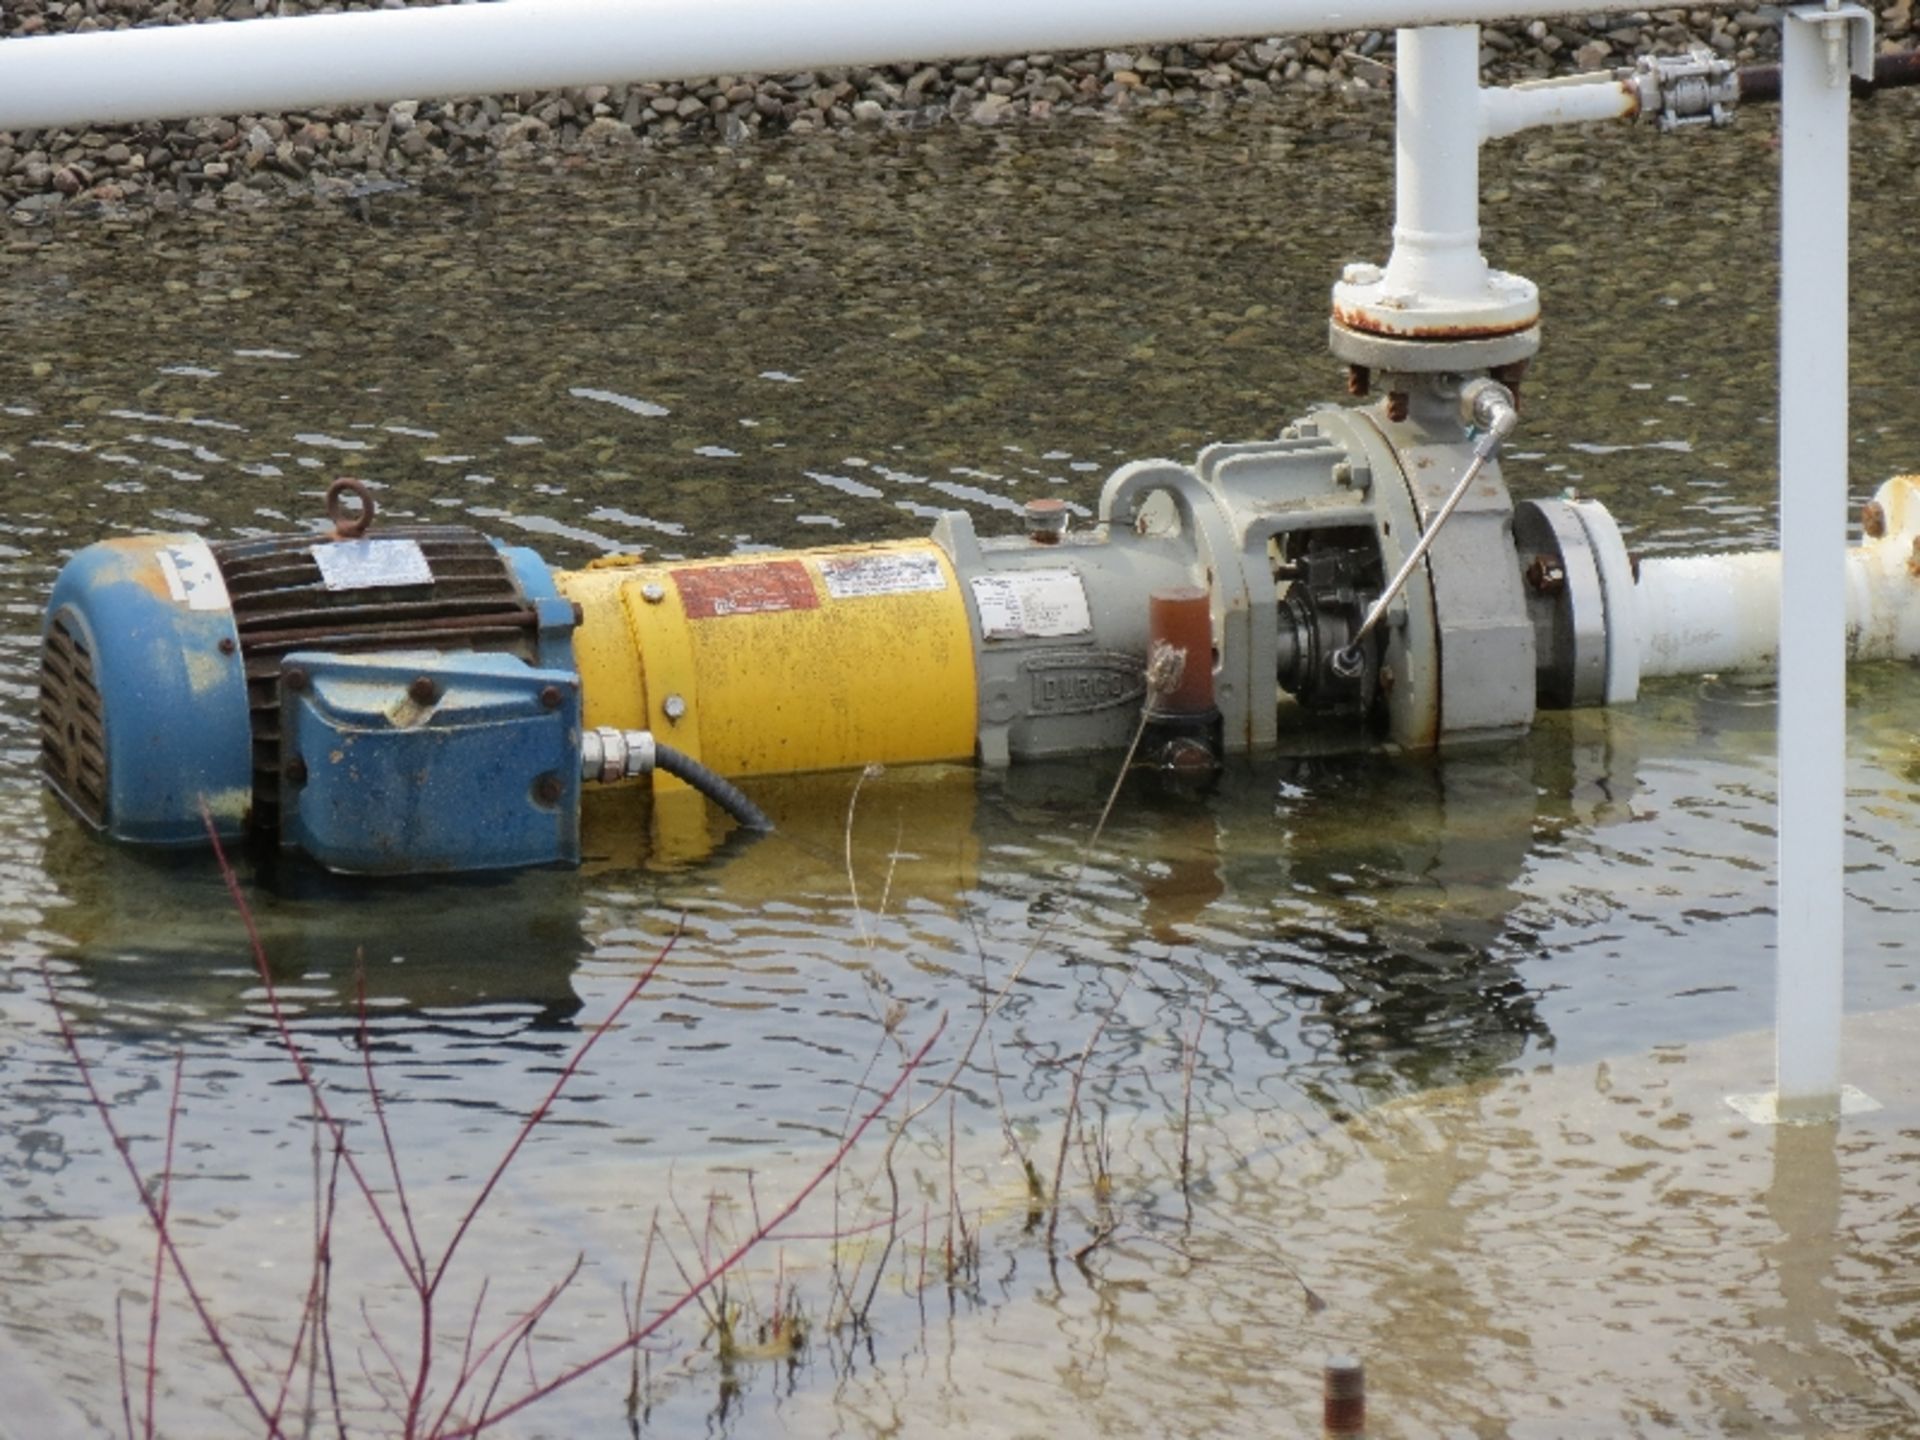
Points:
(1566, 100)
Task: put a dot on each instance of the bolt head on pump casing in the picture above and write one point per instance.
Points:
(1404, 319)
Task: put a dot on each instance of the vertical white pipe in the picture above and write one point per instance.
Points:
(1813, 494)
(1436, 222)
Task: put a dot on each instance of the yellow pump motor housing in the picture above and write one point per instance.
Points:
(777, 664)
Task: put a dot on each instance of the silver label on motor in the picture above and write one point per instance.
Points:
(371, 564)
(1079, 682)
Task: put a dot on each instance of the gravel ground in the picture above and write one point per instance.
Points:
(253, 159)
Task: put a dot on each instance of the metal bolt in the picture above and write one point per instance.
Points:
(294, 679)
(1046, 520)
(1359, 381)
(227, 646)
(1344, 1396)
(1343, 474)
(547, 790)
(653, 592)
(423, 690)
(674, 707)
(1361, 273)
(296, 771)
(579, 615)
(551, 697)
(1873, 520)
(1546, 576)
(1396, 405)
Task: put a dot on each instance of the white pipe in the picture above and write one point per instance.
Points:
(1720, 614)
(1708, 614)
(1436, 218)
(316, 60)
(1571, 100)
(1815, 99)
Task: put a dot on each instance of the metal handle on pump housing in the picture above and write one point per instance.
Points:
(1488, 405)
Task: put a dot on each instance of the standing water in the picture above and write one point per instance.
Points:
(1421, 1060)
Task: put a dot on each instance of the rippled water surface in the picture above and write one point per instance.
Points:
(1443, 1040)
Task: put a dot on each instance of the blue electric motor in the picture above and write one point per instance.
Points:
(404, 702)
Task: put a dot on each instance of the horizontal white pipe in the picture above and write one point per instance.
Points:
(1705, 614)
(1573, 100)
(302, 62)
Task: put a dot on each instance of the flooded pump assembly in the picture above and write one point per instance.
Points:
(409, 699)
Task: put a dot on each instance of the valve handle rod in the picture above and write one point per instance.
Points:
(1346, 661)
(1489, 404)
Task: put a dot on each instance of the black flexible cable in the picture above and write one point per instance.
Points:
(715, 786)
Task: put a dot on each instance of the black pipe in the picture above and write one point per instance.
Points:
(1760, 84)
(710, 783)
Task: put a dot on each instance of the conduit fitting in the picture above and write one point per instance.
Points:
(608, 755)
(1488, 406)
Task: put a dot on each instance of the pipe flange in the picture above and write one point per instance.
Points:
(1566, 603)
(1429, 357)
(1378, 302)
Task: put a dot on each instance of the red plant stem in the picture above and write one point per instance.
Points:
(312, 1311)
(380, 1115)
(471, 1365)
(288, 1043)
(120, 1345)
(324, 1311)
(466, 1350)
(207, 1322)
(539, 1112)
(159, 1256)
(431, 1287)
(523, 1333)
(717, 1272)
(380, 1343)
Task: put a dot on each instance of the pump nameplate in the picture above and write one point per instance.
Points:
(1031, 605)
(371, 564)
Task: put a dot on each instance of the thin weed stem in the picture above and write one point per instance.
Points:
(159, 1221)
(726, 1265)
(159, 1256)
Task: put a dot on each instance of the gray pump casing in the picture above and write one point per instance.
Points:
(1456, 657)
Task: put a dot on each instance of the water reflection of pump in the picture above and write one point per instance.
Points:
(158, 933)
(1405, 942)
